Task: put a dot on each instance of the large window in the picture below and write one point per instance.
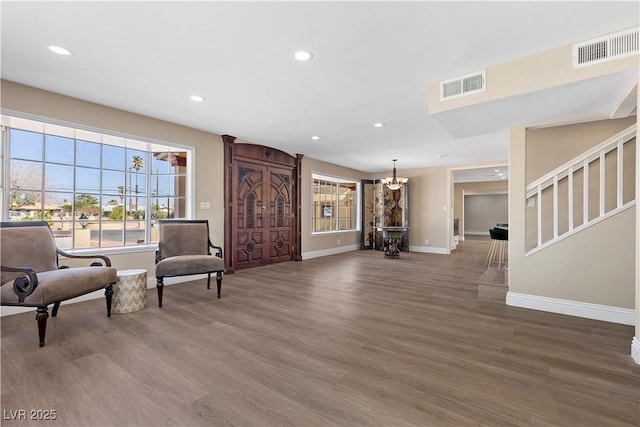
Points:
(95, 190)
(335, 204)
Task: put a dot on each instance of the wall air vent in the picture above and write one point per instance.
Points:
(463, 85)
(606, 48)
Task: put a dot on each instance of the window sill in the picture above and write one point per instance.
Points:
(324, 233)
(151, 247)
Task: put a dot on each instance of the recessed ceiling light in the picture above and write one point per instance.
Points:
(196, 98)
(59, 50)
(303, 55)
(442, 155)
(378, 125)
(315, 137)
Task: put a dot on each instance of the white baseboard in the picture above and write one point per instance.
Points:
(331, 251)
(429, 250)
(625, 316)
(151, 283)
(635, 350)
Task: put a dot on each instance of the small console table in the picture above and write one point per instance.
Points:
(393, 236)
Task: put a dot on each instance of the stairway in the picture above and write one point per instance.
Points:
(582, 192)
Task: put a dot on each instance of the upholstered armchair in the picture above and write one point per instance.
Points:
(184, 249)
(32, 277)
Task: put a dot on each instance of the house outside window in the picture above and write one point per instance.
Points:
(336, 204)
(95, 190)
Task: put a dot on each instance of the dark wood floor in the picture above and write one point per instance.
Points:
(346, 340)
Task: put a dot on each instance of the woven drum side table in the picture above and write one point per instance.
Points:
(130, 292)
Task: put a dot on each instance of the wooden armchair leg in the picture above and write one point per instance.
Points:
(160, 287)
(108, 294)
(56, 306)
(41, 317)
(208, 280)
(219, 282)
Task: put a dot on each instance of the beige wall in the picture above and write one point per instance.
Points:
(482, 212)
(428, 209)
(532, 73)
(566, 142)
(474, 187)
(594, 266)
(208, 160)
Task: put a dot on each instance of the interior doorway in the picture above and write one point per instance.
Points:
(472, 180)
(483, 210)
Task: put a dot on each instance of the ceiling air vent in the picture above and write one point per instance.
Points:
(463, 85)
(607, 48)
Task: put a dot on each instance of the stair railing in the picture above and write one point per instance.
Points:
(551, 181)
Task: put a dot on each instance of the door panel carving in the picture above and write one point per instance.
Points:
(280, 215)
(263, 215)
(249, 250)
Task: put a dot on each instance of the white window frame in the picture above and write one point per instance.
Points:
(337, 180)
(38, 124)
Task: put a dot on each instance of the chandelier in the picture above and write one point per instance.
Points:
(395, 182)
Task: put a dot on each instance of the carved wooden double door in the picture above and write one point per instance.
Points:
(262, 219)
(262, 205)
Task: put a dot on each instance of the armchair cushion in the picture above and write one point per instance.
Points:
(184, 265)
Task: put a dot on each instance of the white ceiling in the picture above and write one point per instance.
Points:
(372, 62)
